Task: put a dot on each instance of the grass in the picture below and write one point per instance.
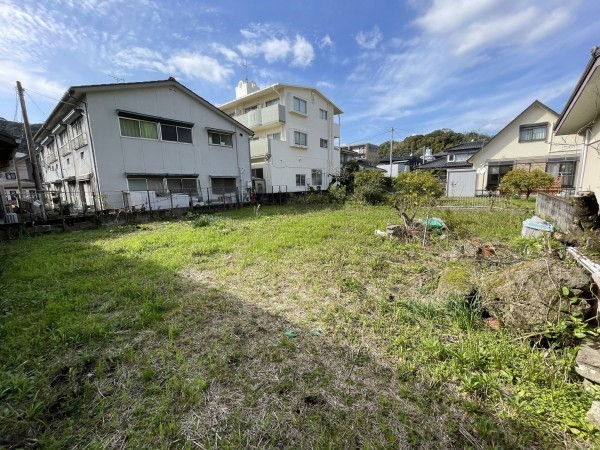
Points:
(297, 328)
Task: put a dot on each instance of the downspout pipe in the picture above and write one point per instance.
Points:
(584, 153)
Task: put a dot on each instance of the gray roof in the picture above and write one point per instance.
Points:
(442, 163)
(475, 145)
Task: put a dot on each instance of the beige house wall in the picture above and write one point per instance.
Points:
(591, 175)
(505, 146)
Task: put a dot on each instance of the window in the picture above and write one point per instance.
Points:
(149, 130)
(450, 158)
(323, 114)
(157, 184)
(276, 136)
(11, 176)
(496, 173)
(532, 132)
(138, 128)
(300, 138)
(563, 169)
(299, 105)
(300, 180)
(79, 138)
(76, 127)
(82, 155)
(317, 177)
(258, 173)
(324, 143)
(251, 108)
(275, 101)
(173, 133)
(68, 162)
(222, 139)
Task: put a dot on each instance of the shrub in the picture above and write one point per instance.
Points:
(414, 190)
(337, 194)
(370, 187)
(520, 181)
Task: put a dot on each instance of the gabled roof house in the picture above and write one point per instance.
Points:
(579, 118)
(103, 143)
(527, 142)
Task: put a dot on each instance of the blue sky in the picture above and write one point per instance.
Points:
(415, 65)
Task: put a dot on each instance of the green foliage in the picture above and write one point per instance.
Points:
(520, 181)
(415, 190)
(370, 187)
(337, 194)
(437, 140)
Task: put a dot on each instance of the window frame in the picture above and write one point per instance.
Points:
(219, 133)
(300, 180)
(323, 141)
(159, 130)
(532, 127)
(301, 101)
(299, 134)
(499, 175)
(314, 174)
(323, 114)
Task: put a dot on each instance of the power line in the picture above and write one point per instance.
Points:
(35, 104)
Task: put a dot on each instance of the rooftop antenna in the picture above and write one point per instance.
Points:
(117, 79)
(245, 66)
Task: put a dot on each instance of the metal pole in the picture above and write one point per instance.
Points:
(391, 150)
(29, 137)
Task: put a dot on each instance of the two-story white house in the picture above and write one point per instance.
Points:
(112, 145)
(294, 135)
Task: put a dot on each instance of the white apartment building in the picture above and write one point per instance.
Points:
(294, 135)
(137, 144)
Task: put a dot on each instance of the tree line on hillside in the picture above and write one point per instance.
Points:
(437, 141)
(16, 130)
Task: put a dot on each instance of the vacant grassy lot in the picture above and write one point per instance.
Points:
(296, 329)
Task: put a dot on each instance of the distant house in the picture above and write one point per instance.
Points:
(110, 144)
(294, 135)
(347, 155)
(8, 149)
(579, 118)
(456, 157)
(366, 151)
(455, 170)
(527, 142)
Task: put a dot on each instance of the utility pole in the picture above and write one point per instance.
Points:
(391, 150)
(32, 154)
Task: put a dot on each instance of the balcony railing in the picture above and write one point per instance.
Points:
(50, 158)
(263, 116)
(79, 141)
(64, 149)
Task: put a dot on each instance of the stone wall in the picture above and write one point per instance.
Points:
(573, 215)
(557, 210)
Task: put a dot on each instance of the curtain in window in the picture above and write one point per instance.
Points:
(129, 127)
(148, 130)
(539, 133)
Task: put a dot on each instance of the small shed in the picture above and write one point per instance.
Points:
(461, 182)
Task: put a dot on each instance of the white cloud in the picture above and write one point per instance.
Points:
(369, 39)
(303, 52)
(474, 26)
(229, 54)
(325, 42)
(272, 43)
(189, 64)
(325, 85)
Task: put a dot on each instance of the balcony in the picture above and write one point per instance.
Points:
(336, 130)
(79, 141)
(262, 117)
(64, 149)
(50, 158)
(259, 148)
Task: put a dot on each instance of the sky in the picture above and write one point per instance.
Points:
(414, 65)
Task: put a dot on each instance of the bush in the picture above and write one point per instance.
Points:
(520, 181)
(337, 194)
(414, 190)
(370, 187)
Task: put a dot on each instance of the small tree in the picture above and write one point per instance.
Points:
(370, 186)
(414, 190)
(520, 181)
